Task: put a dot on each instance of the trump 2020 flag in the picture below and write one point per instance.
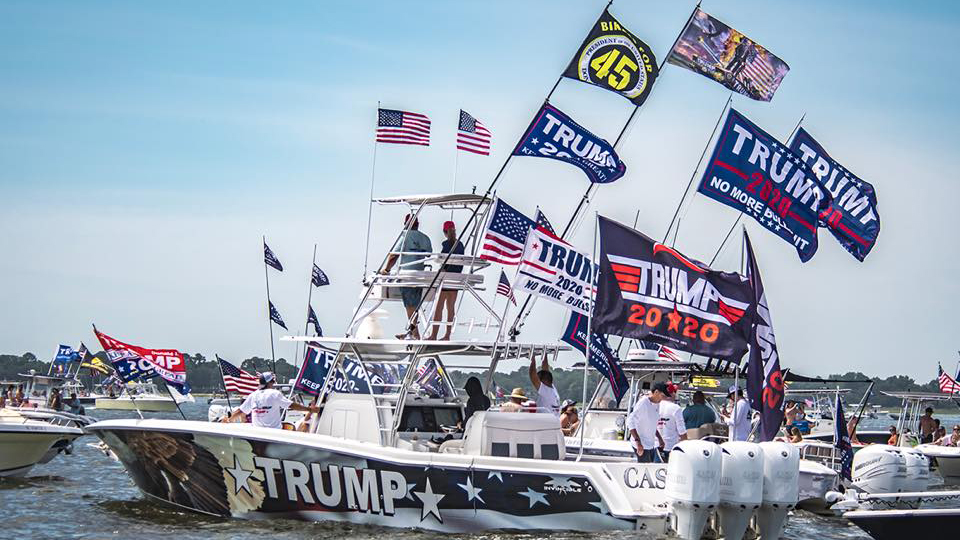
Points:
(613, 58)
(764, 379)
(716, 51)
(134, 362)
(555, 135)
(319, 277)
(270, 259)
(552, 269)
(650, 291)
(852, 217)
(841, 439)
(752, 172)
(65, 354)
(602, 358)
(275, 316)
(312, 319)
(314, 371)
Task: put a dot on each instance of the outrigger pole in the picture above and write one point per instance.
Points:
(373, 176)
(266, 276)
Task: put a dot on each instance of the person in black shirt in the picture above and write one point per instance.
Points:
(476, 400)
(448, 297)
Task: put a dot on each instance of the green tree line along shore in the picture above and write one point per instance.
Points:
(204, 376)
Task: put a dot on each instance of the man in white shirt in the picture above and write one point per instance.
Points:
(671, 426)
(739, 419)
(267, 405)
(642, 424)
(548, 399)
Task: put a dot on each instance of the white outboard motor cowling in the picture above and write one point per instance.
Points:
(693, 486)
(880, 468)
(741, 486)
(917, 477)
(781, 488)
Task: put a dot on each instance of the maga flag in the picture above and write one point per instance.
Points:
(275, 316)
(319, 278)
(555, 135)
(751, 171)
(133, 362)
(312, 319)
(764, 379)
(841, 439)
(613, 58)
(651, 292)
(852, 217)
(552, 269)
(314, 370)
(602, 358)
(718, 52)
(270, 259)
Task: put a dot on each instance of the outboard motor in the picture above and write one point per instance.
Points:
(741, 486)
(880, 468)
(917, 477)
(693, 486)
(781, 488)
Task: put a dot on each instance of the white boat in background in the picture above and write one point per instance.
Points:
(945, 458)
(25, 442)
(139, 396)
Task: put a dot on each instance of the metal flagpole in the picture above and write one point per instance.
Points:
(373, 176)
(170, 392)
(306, 325)
(266, 275)
(224, 381)
(693, 176)
(585, 407)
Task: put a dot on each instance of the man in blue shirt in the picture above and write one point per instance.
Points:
(413, 241)
(698, 413)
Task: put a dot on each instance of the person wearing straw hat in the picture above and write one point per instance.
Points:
(739, 419)
(517, 398)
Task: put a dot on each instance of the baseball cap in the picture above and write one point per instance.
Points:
(448, 225)
(267, 377)
(668, 389)
(733, 389)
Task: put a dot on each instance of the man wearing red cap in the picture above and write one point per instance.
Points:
(448, 298)
(671, 427)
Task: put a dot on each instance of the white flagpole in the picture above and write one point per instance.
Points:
(373, 176)
(584, 406)
(266, 276)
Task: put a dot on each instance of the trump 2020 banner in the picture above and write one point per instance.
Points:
(649, 291)
(552, 269)
(716, 51)
(852, 218)
(752, 172)
(554, 135)
(313, 373)
(613, 58)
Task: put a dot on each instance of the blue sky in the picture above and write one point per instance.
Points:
(146, 147)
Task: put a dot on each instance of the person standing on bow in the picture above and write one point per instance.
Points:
(642, 424)
(739, 420)
(548, 399)
(448, 297)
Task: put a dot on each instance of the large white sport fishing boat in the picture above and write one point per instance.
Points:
(945, 458)
(369, 458)
(139, 396)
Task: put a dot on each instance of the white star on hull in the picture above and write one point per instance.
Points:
(241, 476)
(431, 502)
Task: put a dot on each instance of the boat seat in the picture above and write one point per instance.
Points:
(350, 416)
(508, 434)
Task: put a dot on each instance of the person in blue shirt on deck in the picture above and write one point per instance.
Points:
(413, 242)
(698, 413)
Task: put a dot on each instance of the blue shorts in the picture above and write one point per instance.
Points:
(411, 296)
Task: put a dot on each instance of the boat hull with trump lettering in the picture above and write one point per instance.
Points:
(251, 472)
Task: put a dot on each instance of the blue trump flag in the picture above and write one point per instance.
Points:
(65, 353)
(314, 370)
(601, 357)
(841, 439)
(852, 217)
(752, 172)
(555, 135)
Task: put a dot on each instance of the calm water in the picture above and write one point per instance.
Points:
(88, 495)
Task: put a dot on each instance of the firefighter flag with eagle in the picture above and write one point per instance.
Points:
(764, 379)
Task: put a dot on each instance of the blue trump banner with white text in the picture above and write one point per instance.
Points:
(555, 135)
(601, 357)
(314, 370)
(852, 217)
(752, 172)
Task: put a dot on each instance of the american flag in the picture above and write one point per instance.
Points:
(506, 235)
(667, 355)
(504, 288)
(472, 135)
(402, 127)
(236, 379)
(544, 223)
(948, 384)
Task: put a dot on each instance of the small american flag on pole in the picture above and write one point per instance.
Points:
(236, 379)
(505, 289)
(544, 223)
(947, 383)
(506, 235)
(402, 127)
(472, 135)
